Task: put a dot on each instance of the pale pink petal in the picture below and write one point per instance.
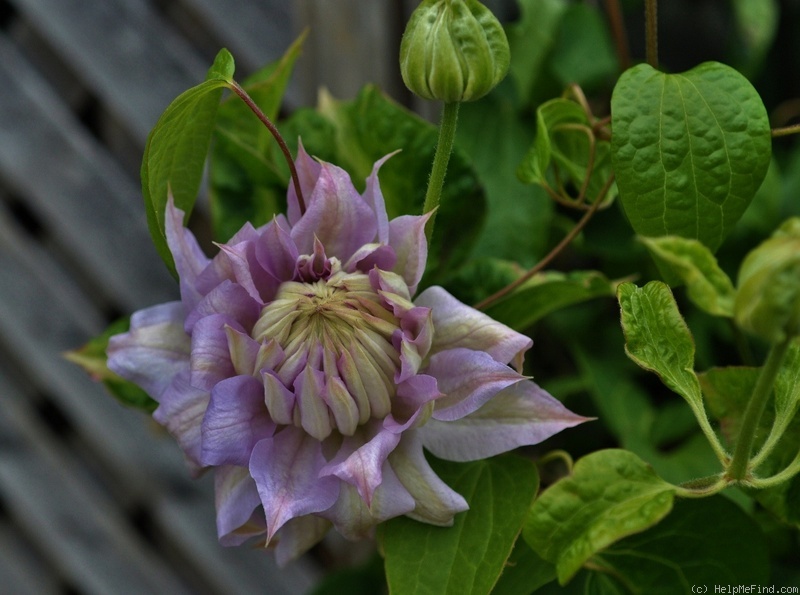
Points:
(155, 349)
(308, 172)
(238, 506)
(458, 325)
(407, 237)
(355, 520)
(276, 252)
(236, 419)
(359, 461)
(189, 258)
(436, 502)
(286, 469)
(181, 412)
(337, 215)
(248, 272)
(226, 298)
(374, 198)
(370, 256)
(520, 415)
(413, 403)
(468, 379)
(211, 355)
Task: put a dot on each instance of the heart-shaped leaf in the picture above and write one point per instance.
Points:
(689, 150)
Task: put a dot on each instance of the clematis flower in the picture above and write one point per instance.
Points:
(298, 367)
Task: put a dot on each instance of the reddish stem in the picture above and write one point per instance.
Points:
(277, 135)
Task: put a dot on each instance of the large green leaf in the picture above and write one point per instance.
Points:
(708, 541)
(611, 494)
(708, 286)
(689, 150)
(176, 150)
(245, 181)
(547, 292)
(468, 557)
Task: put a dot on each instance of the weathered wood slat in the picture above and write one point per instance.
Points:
(255, 32)
(88, 205)
(22, 571)
(121, 50)
(351, 43)
(69, 518)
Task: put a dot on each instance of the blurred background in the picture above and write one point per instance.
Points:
(94, 497)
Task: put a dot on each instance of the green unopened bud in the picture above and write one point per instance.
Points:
(453, 50)
(768, 298)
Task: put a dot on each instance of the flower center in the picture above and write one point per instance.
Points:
(338, 362)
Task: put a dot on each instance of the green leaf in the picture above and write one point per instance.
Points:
(176, 150)
(245, 182)
(592, 60)
(525, 572)
(707, 284)
(547, 292)
(518, 222)
(92, 358)
(657, 338)
(708, 541)
(689, 150)
(468, 557)
(561, 151)
(611, 494)
(531, 40)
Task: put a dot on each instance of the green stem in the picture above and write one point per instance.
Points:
(777, 479)
(701, 488)
(786, 130)
(444, 147)
(755, 408)
(553, 253)
(775, 434)
(651, 31)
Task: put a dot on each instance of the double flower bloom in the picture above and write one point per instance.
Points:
(298, 367)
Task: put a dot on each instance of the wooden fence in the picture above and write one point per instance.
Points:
(94, 498)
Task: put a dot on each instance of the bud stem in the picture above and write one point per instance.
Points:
(755, 408)
(444, 147)
(651, 31)
(236, 88)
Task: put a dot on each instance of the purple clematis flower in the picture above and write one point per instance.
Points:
(298, 367)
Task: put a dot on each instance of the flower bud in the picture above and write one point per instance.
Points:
(768, 298)
(453, 50)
